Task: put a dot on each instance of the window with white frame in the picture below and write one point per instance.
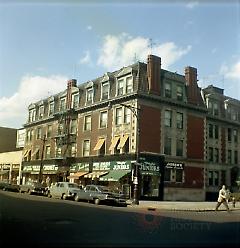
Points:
(179, 118)
(129, 84)
(127, 115)
(105, 91)
(75, 100)
(179, 92)
(168, 118)
(87, 123)
(50, 108)
(73, 128)
(118, 116)
(32, 115)
(86, 148)
(62, 104)
(89, 95)
(41, 112)
(168, 90)
(120, 87)
(103, 119)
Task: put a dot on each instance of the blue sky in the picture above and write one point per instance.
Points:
(43, 44)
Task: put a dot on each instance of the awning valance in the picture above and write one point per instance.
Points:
(114, 175)
(114, 142)
(122, 141)
(99, 144)
(26, 153)
(77, 175)
(96, 174)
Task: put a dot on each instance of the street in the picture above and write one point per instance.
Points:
(28, 220)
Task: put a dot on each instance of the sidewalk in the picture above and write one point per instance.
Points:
(182, 206)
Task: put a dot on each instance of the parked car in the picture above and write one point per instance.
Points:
(33, 188)
(9, 186)
(100, 194)
(64, 190)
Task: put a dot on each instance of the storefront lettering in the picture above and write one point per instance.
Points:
(121, 165)
(101, 166)
(174, 165)
(36, 168)
(149, 166)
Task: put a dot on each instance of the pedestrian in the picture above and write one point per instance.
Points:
(222, 198)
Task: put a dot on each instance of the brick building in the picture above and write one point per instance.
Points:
(94, 131)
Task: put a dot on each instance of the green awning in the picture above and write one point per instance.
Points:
(114, 175)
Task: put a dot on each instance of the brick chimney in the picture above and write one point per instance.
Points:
(154, 74)
(71, 83)
(193, 91)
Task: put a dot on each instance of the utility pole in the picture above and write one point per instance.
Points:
(41, 164)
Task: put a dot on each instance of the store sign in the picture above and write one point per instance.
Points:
(79, 167)
(121, 165)
(149, 166)
(102, 166)
(36, 168)
(173, 165)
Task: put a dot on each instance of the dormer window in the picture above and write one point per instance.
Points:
(179, 93)
(129, 84)
(105, 91)
(62, 105)
(32, 115)
(75, 100)
(168, 90)
(120, 84)
(50, 108)
(89, 95)
(41, 112)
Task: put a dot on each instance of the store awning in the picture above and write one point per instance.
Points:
(122, 141)
(26, 153)
(114, 142)
(77, 175)
(99, 144)
(96, 174)
(114, 175)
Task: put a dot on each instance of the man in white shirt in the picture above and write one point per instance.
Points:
(222, 198)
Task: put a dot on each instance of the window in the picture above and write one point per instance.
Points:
(31, 135)
(210, 155)
(210, 130)
(210, 107)
(48, 152)
(86, 148)
(89, 97)
(213, 178)
(62, 105)
(58, 151)
(39, 133)
(235, 157)
(229, 156)
(235, 136)
(167, 176)
(129, 85)
(120, 87)
(32, 115)
(60, 129)
(234, 115)
(75, 100)
(179, 93)
(216, 155)
(41, 112)
(179, 176)
(168, 118)
(168, 90)
(179, 120)
(73, 129)
(216, 132)
(50, 108)
(229, 134)
(103, 119)
(102, 150)
(210, 178)
(105, 91)
(127, 115)
(215, 109)
(38, 155)
(167, 146)
(118, 118)
(87, 123)
(216, 178)
(179, 149)
(49, 131)
(73, 149)
(223, 177)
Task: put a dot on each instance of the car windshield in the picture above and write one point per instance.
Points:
(73, 185)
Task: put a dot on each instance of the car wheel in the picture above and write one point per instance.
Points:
(76, 198)
(49, 195)
(29, 192)
(96, 201)
(64, 197)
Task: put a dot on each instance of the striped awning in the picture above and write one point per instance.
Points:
(26, 153)
(122, 141)
(96, 174)
(77, 175)
(99, 144)
(114, 142)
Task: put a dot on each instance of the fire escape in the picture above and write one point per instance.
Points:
(64, 137)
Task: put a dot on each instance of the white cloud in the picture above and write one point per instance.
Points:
(118, 51)
(14, 110)
(89, 27)
(192, 4)
(86, 59)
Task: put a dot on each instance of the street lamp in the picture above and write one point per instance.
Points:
(135, 112)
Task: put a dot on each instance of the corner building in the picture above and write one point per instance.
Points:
(93, 132)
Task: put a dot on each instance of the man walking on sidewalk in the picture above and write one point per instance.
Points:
(222, 198)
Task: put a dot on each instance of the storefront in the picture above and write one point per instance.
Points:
(77, 173)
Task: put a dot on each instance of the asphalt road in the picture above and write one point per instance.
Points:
(34, 221)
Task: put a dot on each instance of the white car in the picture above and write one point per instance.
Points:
(64, 190)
